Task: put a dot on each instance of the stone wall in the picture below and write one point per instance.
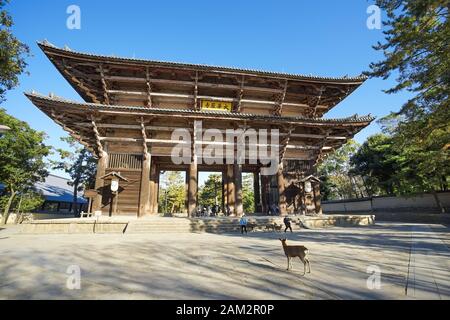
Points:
(419, 202)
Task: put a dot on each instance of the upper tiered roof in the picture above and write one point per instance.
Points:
(147, 83)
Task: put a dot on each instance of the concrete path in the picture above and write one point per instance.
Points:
(413, 261)
(429, 265)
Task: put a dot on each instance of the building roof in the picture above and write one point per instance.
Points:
(48, 47)
(150, 83)
(56, 188)
(39, 100)
(92, 123)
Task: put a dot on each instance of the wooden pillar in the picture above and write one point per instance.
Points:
(265, 194)
(186, 190)
(224, 192)
(102, 164)
(317, 198)
(153, 188)
(156, 193)
(281, 190)
(257, 192)
(230, 188)
(238, 189)
(193, 185)
(145, 193)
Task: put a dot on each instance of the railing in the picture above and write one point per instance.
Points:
(125, 161)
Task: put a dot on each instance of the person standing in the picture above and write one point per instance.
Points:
(228, 210)
(243, 223)
(287, 223)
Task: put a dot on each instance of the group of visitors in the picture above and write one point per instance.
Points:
(208, 211)
(244, 221)
(274, 210)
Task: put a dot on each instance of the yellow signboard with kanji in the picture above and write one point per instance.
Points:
(216, 105)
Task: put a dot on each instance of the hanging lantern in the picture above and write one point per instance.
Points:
(308, 187)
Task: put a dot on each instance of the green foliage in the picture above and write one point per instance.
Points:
(172, 193)
(12, 53)
(334, 172)
(23, 202)
(390, 169)
(22, 157)
(248, 198)
(29, 201)
(211, 192)
(417, 48)
(80, 164)
(376, 161)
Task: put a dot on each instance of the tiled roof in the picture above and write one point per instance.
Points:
(45, 46)
(353, 119)
(56, 188)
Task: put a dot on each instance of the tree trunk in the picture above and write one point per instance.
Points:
(7, 207)
(18, 214)
(75, 198)
(438, 202)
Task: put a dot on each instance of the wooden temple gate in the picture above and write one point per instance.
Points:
(132, 108)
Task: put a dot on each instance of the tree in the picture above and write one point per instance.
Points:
(211, 192)
(336, 177)
(12, 54)
(80, 164)
(248, 195)
(22, 154)
(172, 192)
(377, 161)
(416, 46)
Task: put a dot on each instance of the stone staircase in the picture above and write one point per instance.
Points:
(159, 225)
(209, 225)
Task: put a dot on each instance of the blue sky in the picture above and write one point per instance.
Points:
(320, 37)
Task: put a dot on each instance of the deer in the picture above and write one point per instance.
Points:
(296, 251)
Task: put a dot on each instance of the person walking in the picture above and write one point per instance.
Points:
(243, 223)
(287, 223)
(228, 210)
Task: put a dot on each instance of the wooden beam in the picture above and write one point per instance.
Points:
(171, 128)
(100, 150)
(240, 95)
(279, 103)
(104, 85)
(213, 98)
(321, 91)
(196, 92)
(320, 150)
(149, 102)
(285, 143)
(78, 82)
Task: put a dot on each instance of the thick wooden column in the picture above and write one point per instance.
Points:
(257, 192)
(186, 190)
(281, 190)
(265, 194)
(156, 193)
(238, 189)
(193, 186)
(145, 193)
(102, 164)
(224, 191)
(317, 198)
(231, 198)
(153, 189)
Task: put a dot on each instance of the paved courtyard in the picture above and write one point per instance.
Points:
(413, 260)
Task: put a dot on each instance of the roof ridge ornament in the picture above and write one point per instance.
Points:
(48, 43)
